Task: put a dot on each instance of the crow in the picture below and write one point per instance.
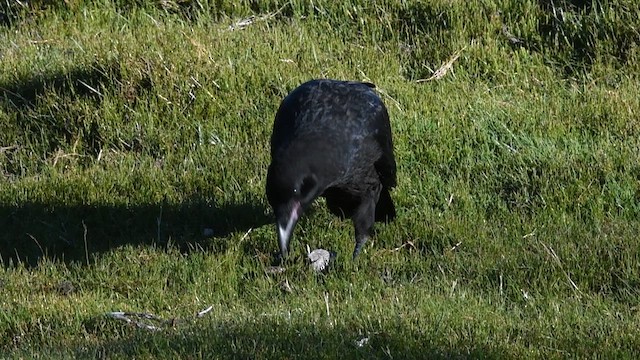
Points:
(332, 139)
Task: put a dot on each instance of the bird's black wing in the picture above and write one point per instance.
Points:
(386, 165)
(286, 121)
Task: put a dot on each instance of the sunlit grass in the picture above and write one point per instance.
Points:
(132, 131)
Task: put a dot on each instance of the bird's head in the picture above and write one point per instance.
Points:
(289, 191)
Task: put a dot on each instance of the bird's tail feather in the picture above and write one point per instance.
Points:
(385, 210)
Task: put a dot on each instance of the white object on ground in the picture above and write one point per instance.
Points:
(319, 258)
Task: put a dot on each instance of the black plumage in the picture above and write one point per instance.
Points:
(332, 139)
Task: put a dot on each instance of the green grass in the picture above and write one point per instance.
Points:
(128, 128)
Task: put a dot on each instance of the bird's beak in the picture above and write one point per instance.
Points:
(285, 225)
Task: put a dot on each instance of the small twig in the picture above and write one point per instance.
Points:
(124, 316)
(8, 148)
(131, 318)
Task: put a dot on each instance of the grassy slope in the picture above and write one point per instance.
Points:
(128, 129)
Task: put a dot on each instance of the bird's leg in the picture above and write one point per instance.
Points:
(360, 240)
(364, 218)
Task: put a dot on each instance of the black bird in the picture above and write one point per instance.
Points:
(332, 139)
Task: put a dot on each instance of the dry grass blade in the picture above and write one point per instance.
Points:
(285, 286)
(204, 312)
(241, 24)
(512, 38)
(456, 246)
(94, 90)
(394, 101)
(407, 244)
(555, 257)
(272, 270)
(132, 318)
(444, 69)
(129, 318)
(8, 148)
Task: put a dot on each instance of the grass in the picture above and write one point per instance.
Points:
(129, 129)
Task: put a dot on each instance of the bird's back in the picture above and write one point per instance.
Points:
(338, 122)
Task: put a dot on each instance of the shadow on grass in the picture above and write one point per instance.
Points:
(71, 233)
(282, 339)
(89, 82)
(74, 233)
(51, 111)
